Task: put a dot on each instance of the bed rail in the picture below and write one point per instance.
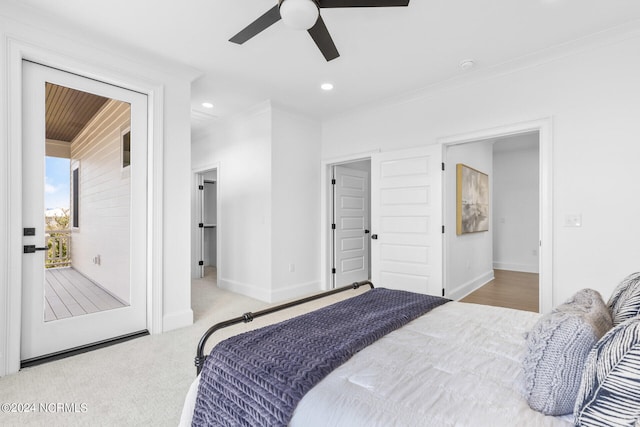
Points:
(248, 317)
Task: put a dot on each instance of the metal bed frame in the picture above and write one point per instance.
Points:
(248, 317)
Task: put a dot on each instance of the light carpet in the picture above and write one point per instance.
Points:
(136, 383)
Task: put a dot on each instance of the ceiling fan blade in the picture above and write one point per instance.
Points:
(321, 36)
(262, 23)
(362, 3)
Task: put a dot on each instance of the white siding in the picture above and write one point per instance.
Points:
(105, 198)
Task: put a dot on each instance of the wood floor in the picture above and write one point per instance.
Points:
(510, 289)
(68, 293)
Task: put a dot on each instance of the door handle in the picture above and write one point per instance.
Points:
(366, 231)
(374, 236)
(30, 249)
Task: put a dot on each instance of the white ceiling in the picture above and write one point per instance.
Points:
(385, 52)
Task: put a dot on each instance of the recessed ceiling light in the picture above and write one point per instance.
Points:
(467, 64)
(207, 105)
(326, 86)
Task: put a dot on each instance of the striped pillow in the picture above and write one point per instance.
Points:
(625, 300)
(609, 394)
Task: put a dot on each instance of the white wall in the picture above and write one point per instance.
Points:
(295, 162)
(241, 146)
(590, 91)
(516, 203)
(269, 220)
(105, 200)
(469, 257)
(24, 33)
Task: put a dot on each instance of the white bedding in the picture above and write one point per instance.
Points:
(458, 365)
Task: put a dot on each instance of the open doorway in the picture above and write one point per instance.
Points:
(349, 222)
(206, 251)
(500, 266)
(207, 223)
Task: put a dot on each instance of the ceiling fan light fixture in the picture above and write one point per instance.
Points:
(299, 14)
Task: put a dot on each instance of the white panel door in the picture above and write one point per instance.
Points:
(406, 220)
(351, 217)
(41, 332)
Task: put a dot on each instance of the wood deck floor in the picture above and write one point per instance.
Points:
(509, 289)
(68, 293)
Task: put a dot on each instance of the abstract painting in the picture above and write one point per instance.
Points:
(472, 200)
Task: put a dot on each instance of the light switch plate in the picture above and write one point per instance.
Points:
(573, 220)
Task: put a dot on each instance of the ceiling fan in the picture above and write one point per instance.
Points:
(305, 15)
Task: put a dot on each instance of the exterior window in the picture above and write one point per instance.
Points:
(126, 149)
(75, 197)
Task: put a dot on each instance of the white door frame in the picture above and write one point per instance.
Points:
(544, 126)
(11, 283)
(196, 236)
(326, 207)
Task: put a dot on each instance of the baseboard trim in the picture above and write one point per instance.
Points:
(244, 289)
(470, 286)
(295, 291)
(522, 268)
(266, 295)
(178, 320)
(81, 349)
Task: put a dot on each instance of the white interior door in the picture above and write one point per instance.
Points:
(351, 218)
(99, 253)
(406, 220)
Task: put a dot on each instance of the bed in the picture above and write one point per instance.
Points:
(463, 364)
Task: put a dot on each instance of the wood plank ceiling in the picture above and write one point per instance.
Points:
(68, 111)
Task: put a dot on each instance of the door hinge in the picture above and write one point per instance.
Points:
(333, 271)
(442, 165)
(200, 262)
(443, 229)
(333, 226)
(333, 181)
(442, 291)
(201, 225)
(200, 187)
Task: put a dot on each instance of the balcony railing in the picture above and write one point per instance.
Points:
(59, 253)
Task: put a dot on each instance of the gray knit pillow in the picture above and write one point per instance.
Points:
(624, 303)
(557, 349)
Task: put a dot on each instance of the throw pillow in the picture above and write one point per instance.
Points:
(557, 350)
(610, 390)
(625, 300)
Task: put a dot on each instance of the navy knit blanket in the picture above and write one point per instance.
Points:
(257, 378)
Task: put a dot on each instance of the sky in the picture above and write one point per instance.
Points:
(57, 183)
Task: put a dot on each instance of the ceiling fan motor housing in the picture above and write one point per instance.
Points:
(299, 14)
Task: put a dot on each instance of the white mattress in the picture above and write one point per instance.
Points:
(458, 365)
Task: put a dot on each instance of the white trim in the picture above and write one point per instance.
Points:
(472, 285)
(177, 320)
(522, 268)
(155, 219)
(244, 289)
(295, 291)
(544, 126)
(16, 51)
(325, 209)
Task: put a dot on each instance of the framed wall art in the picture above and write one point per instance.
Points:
(472, 200)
